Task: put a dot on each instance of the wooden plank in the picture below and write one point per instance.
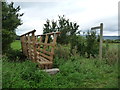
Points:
(24, 46)
(31, 42)
(54, 43)
(33, 57)
(28, 33)
(21, 39)
(44, 62)
(41, 39)
(34, 48)
(52, 33)
(46, 40)
(29, 50)
(51, 44)
(46, 52)
(32, 54)
(48, 57)
(40, 58)
(98, 27)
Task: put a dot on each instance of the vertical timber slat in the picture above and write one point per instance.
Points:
(34, 46)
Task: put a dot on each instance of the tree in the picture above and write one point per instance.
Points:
(10, 21)
(67, 29)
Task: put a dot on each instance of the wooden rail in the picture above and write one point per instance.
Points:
(38, 49)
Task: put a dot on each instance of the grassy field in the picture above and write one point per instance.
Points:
(75, 72)
(16, 45)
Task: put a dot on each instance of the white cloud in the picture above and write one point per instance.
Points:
(86, 13)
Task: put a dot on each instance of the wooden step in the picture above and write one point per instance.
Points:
(43, 62)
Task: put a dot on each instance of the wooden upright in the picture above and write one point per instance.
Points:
(101, 38)
(38, 49)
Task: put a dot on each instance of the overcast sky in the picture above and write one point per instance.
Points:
(87, 13)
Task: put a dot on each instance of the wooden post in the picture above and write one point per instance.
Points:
(54, 43)
(46, 40)
(27, 44)
(21, 39)
(24, 44)
(101, 38)
(34, 46)
(29, 47)
(40, 39)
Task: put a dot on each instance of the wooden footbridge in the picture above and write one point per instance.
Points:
(39, 48)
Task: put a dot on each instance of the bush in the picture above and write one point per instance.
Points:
(85, 46)
(81, 47)
(8, 38)
(62, 52)
(92, 44)
(110, 54)
(74, 73)
(112, 41)
(15, 55)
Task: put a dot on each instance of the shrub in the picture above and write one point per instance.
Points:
(15, 55)
(92, 45)
(88, 45)
(111, 55)
(8, 38)
(81, 47)
(76, 72)
(62, 52)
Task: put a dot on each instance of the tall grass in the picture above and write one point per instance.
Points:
(111, 53)
(75, 72)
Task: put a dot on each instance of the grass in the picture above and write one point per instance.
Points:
(75, 72)
(16, 45)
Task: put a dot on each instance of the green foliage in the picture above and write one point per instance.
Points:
(66, 28)
(10, 21)
(74, 73)
(111, 53)
(78, 43)
(10, 16)
(68, 35)
(7, 38)
(62, 52)
(86, 46)
(112, 41)
(92, 44)
(15, 55)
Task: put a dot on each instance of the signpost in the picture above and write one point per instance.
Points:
(101, 38)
